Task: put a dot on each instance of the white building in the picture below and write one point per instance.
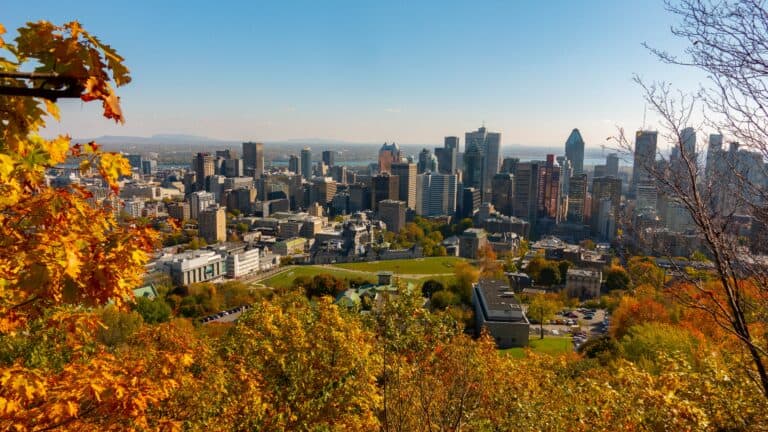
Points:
(199, 201)
(194, 266)
(243, 263)
(435, 194)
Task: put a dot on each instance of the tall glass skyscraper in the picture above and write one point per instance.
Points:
(306, 163)
(574, 151)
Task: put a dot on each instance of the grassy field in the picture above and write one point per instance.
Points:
(415, 270)
(548, 345)
(418, 266)
(285, 279)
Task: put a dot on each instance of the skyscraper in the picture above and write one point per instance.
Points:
(427, 162)
(605, 188)
(253, 158)
(509, 165)
(203, 166)
(490, 146)
(384, 187)
(446, 156)
(645, 157)
(407, 182)
(474, 166)
(714, 148)
(503, 192)
(329, 157)
(388, 154)
(306, 163)
(612, 165)
(525, 202)
(436, 194)
(549, 189)
(577, 198)
(574, 151)
(293, 164)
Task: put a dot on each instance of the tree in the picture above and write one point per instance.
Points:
(153, 311)
(325, 285)
(466, 275)
(616, 278)
(549, 275)
(632, 312)
(442, 299)
(313, 366)
(542, 308)
(55, 265)
(430, 287)
(724, 40)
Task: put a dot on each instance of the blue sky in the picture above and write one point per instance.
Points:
(372, 71)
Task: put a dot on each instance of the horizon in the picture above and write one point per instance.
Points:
(374, 73)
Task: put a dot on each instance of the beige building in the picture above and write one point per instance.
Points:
(212, 224)
(583, 283)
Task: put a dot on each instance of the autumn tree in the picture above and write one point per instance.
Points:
(55, 247)
(543, 307)
(725, 40)
(616, 278)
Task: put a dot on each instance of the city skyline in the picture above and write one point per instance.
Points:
(374, 73)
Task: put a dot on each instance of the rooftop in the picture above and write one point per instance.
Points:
(498, 301)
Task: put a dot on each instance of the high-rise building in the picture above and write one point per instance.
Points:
(509, 165)
(525, 202)
(388, 154)
(293, 164)
(329, 157)
(135, 161)
(203, 166)
(212, 224)
(427, 162)
(359, 197)
(549, 189)
(384, 186)
(178, 210)
(605, 188)
(612, 165)
(436, 194)
(470, 201)
(574, 151)
(447, 155)
(323, 190)
(233, 168)
(253, 158)
(688, 141)
(148, 166)
(198, 201)
(407, 182)
(392, 213)
(577, 198)
(503, 193)
(474, 166)
(645, 157)
(714, 148)
(306, 163)
(490, 146)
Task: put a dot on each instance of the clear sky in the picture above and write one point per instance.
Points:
(370, 71)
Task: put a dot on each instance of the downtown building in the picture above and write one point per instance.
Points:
(436, 194)
(489, 144)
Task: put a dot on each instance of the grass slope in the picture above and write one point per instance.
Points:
(419, 266)
(548, 345)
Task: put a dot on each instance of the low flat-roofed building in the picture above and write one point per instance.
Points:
(241, 263)
(497, 310)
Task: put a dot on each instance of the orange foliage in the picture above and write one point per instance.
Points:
(632, 311)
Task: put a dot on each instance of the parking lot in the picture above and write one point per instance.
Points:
(581, 323)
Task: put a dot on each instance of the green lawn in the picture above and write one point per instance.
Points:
(548, 345)
(285, 279)
(421, 266)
